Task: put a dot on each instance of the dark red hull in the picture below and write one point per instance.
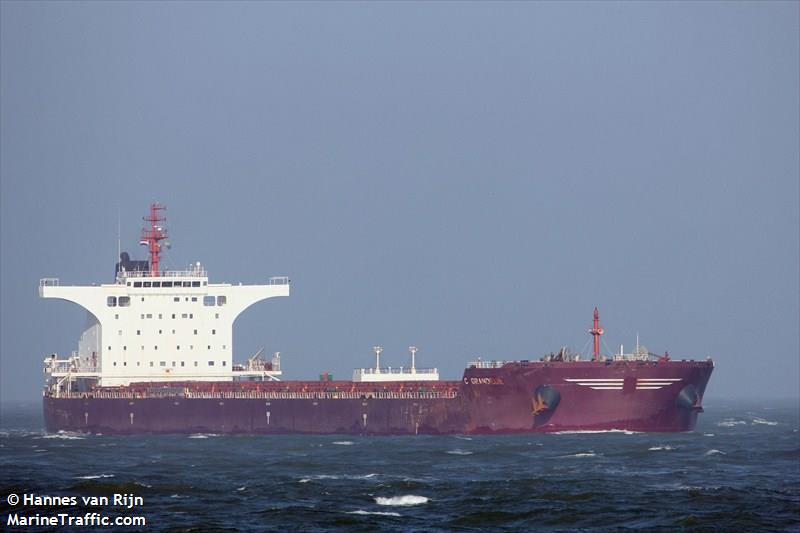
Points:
(516, 397)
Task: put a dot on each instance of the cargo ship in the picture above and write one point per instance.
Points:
(156, 356)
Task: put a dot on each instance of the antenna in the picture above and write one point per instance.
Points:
(377, 350)
(413, 350)
(119, 238)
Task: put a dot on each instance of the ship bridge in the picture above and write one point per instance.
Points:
(153, 325)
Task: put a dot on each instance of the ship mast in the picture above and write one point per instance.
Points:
(153, 234)
(596, 331)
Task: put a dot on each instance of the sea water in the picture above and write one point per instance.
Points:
(738, 471)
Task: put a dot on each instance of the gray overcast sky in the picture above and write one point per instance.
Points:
(471, 178)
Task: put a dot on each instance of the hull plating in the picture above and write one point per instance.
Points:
(517, 397)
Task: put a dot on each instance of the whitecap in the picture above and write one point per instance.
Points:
(593, 431)
(763, 421)
(241, 489)
(581, 454)
(203, 435)
(343, 442)
(408, 499)
(67, 435)
(715, 452)
(659, 448)
(379, 513)
(304, 480)
(459, 452)
(461, 437)
(98, 476)
(730, 422)
(708, 434)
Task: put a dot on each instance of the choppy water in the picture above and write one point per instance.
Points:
(739, 471)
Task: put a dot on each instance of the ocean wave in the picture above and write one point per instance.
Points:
(593, 431)
(379, 513)
(665, 447)
(763, 421)
(98, 476)
(408, 499)
(343, 442)
(579, 454)
(461, 437)
(715, 452)
(708, 434)
(67, 435)
(240, 489)
(458, 452)
(730, 422)
(203, 435)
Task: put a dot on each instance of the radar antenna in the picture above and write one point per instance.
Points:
(153, 234)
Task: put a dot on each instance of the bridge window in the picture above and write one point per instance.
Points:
(156, 284)
(208, 301)
(146, 284)
(149, 315)
(124, 301)
(195, 284)
(166, 284)
(111, 301)
(187, 283)
(222, 300)
(137, 283)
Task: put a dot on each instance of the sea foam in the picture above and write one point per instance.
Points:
(408, 499)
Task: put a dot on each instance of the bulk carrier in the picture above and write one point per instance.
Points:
(156, 355)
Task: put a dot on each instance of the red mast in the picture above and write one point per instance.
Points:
(153, 234)
(596, 331)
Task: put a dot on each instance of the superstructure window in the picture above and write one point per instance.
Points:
(208, 301)
(194, 298)
(138, 332)
(149, 315)
(163, 363)
(111, 301)
(137, 283)
(213, 332)
(211, 363)
(195, 284)
(222, 300)
(187, 283)
(146, 283)
(224, 363)
(184, 315)
(156, 284)
(166, 284)
(124, 301)
(176, 299)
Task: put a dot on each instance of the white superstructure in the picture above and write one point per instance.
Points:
(378, 374)
(152, 325)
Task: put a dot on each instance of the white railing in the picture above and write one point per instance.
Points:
(399, 370)
(193, 273)
(49, 282)
(487, 364)
(267, 395)
(279, 280)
